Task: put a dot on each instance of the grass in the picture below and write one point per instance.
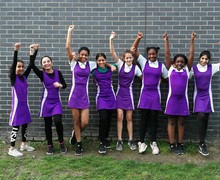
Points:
(37, 165)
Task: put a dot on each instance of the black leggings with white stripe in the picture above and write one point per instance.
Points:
(14, 133)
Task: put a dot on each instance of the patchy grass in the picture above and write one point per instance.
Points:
(114, 165)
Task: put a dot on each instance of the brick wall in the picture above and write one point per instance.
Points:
(46, 23)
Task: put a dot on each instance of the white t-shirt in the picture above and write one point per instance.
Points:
(92, 64)
(142, 61)
(127, 68)
(215, 69)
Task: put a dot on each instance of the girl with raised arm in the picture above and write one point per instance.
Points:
(78, 98)
(124, 97)
(177, 105)
(202, 99)
(20, 113)
(51, 106)
(150, 97)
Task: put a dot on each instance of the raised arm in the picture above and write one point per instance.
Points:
(70, 54)
(191, 51)
(168, 61)
(12, 72)
(111, 46)
(134, 47)
(33, 54)
(33, 51)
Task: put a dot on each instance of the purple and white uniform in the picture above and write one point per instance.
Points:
(177, 101)
(78, 97)
(150, 97)
(124, 94)
(202, 98)
(51, 100)
(20, 113)
(105, 97)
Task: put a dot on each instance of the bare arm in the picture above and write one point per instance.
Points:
(68, 42)
(191, 51)
(111, 46)
(168, 61)
(134, 47)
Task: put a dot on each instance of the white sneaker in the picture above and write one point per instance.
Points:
(26, 148)
(14, 152)
(142, 147)
(155, 149)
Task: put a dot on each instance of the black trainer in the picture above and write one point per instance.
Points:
(72, 139)
(78, 151)
(50, 150)
(102, 148)
(173, 148)
(107, 144)
(63, 148)
(180, 150)
(203, 149)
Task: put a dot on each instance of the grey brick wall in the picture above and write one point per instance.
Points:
(46, 22)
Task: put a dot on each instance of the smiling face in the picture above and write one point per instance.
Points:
(20, 68)
(128, 58)
(83, 56)
(152, 55)
(204, 60)
(179, 63)
(46, 63)
(101, 62)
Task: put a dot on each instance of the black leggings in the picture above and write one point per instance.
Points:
(203, 125)
(48, 128)
(148, 120)
(14, 133)
(105, 117)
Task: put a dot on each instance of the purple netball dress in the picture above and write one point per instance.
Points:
(150, 97)
(78, 97)
(177, 100)
(50, 101)
(105, 98)
(124, 95)
(202, 92)
(20, 113)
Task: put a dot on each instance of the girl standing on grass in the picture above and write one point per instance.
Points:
(177, 105)
(51, 106)
(150, 97)
(125, 101)
(78, 98)
(203, 102)
(20, 113)
(105, 98)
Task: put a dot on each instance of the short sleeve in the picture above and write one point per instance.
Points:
(119, 64)
(72, 64)
(164, 72)
(138, 71)
(215, 68)
(142, 61)
(92, 65)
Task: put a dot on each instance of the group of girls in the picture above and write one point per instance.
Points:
(180, 69)
(50, 108)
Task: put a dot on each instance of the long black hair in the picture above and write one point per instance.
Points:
(100, 55)
(44, 57)
(207, 53)
(11, 69)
